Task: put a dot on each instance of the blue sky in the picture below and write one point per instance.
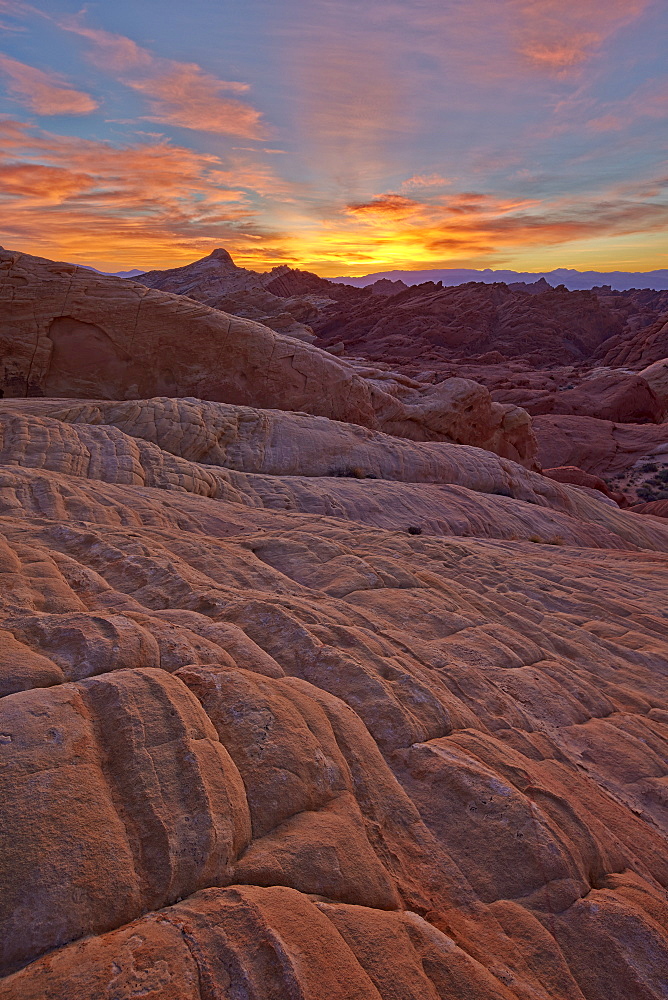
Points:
(336, 136)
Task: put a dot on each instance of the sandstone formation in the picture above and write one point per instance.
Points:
(217, 281)
(550, 325)
(659, 508)
(385, 287)
(598, 446)
(545, 350)
(301, 701)
(272, 460)
(69, 332)
(577, 477)
(656, 376)
(619, 397)
(545, 325)
(642, 349)
(251, 747)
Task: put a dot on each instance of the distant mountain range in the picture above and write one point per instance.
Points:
(572, 279)
(114, 274)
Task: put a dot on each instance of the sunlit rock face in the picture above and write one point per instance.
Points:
(294, 707)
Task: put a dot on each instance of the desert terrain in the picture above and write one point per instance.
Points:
(334, 655)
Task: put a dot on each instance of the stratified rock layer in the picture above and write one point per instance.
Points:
(259, 739)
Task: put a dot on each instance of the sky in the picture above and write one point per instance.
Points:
(339, 136)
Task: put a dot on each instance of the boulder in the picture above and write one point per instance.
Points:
(600, 447)
(620, 397)
(656, 376)
(658, 508)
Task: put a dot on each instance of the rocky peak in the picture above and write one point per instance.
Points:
(221, 254)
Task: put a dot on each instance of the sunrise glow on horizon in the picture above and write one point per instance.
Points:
(334, 136)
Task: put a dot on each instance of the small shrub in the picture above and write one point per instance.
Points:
(649, 467)
(350, 472)
(414, 530)
(535, 538)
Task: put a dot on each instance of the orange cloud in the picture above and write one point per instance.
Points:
(390, 207)
(466, 229)
(147, 202)
(44, 93)
(38, 185)
(151, 203)
(178, 93)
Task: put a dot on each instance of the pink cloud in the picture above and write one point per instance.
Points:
(424, 181)
(557, 36)
(44, 93)
(188, 97)
(112, 52)
(649, 101)
(178, 93)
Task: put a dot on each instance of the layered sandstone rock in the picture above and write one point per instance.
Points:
(275, 460)
(577, 477)
(600, 447)
(616, 396)
(642, 348)
(292, 707)
(656, 376)
(539, 324)
(217, 281)
(70, 332)
(268, 752)
(659, 508)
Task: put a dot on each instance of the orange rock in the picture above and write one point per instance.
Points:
(659, 508)
(577, 477)
(600, 447)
